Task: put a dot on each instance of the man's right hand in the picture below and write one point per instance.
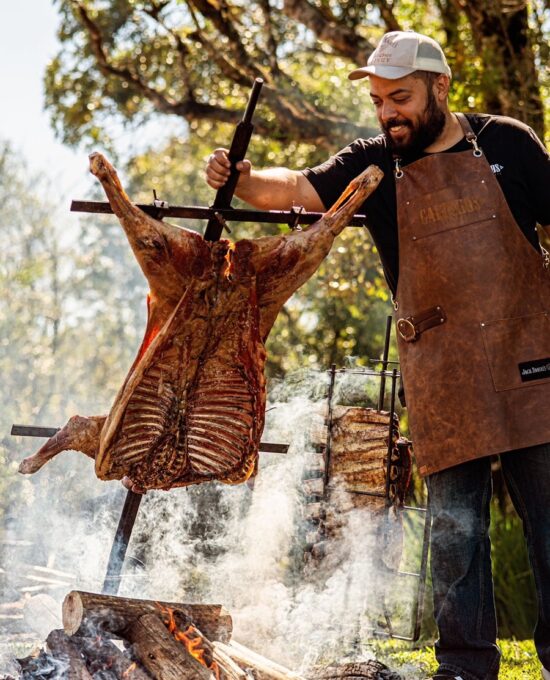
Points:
(218, 168)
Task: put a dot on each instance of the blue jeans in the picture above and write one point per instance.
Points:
(464, 606)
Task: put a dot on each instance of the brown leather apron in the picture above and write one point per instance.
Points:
(473, 314)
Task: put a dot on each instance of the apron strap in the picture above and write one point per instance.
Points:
(470, 135)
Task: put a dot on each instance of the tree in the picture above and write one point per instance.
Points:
(72, 314)
(131, 59)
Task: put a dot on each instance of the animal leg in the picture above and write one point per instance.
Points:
(79, 434)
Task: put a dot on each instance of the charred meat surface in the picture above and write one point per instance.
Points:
(191, 408)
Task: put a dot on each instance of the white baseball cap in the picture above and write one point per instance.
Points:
(400, 53)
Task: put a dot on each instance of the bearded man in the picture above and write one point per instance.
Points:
(454, 221)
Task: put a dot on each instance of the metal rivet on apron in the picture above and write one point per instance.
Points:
(483, 181)
(494, 217)
(414, 238)
(483, 325)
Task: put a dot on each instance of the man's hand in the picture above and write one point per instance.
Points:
(218, 167)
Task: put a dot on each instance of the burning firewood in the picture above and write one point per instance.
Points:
(160, 653)
(161, 643)
(192, 406)
(260, 667)
(64, 649)
(89, 613)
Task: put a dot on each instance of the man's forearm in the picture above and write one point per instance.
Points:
(277, 189)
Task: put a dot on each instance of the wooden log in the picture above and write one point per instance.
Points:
(162, 656)
(101, 655)
(197, 644)
(85, 613)
(227, 667)
(260, 667)
(64, 649)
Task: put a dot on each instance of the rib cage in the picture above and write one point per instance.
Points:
(198, 411)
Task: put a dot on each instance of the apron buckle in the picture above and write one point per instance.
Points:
(407, 330)
(411, 327)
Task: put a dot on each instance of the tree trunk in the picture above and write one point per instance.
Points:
(502, 39)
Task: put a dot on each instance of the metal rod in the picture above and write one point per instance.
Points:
(329, 426)
(204, 213)
(120, 543)
(385, 357)
(34, 431)
(390, 436)
(421, 592)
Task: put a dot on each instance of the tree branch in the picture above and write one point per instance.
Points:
(386, 12)
(270, 38)
(341, 38)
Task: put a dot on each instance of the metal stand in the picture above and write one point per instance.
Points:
(393, 503)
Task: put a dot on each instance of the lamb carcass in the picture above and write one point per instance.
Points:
(191, 408)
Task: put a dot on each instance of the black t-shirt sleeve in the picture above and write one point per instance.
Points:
(331, 177)
(536, 166)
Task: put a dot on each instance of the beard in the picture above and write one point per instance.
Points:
(422, 133)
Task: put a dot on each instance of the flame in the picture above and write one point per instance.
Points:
(191, 639)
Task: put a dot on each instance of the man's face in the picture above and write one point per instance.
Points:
(408, 111)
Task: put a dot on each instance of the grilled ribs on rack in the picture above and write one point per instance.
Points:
(191, 408)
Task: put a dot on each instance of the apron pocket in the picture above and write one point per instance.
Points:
(518, 350)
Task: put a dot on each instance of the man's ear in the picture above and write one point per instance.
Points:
(441, 87)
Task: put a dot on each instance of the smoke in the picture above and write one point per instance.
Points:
(232, 545)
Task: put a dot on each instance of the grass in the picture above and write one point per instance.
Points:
(519, 660)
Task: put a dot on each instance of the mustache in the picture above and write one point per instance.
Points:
(396, 122)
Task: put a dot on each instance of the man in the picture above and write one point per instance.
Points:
(454, 221)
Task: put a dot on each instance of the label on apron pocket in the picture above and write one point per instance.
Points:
(518, 350)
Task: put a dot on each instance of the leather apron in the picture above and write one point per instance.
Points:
(473, 314)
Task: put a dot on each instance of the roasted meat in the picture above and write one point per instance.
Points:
(192, 406)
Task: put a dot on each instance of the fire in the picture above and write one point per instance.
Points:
(191, 639)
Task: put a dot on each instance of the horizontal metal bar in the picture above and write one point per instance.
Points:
(366, 371)
(366, 493)
(228, 214)
(414, 509)
(270, 447)
(34, 431)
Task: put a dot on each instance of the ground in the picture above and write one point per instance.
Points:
(519, 660)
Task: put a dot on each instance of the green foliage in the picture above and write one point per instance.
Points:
(519, 660)
(514, 585)
(124, 63)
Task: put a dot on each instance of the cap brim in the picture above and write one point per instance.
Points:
(389, 72)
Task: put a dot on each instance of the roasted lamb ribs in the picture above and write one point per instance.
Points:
(191, 408)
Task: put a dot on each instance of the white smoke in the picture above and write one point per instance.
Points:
(221, 544)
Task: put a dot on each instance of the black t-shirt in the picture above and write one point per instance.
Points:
(517, 157)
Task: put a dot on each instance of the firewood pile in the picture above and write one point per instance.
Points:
(114, 638)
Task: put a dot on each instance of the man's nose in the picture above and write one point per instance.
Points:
(387, 112)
